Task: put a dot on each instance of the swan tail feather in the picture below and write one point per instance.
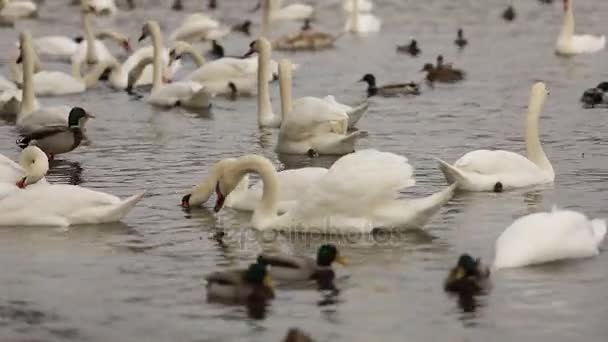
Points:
(452, 174)
(118, 212)
(357, 113)
(426, 207)
(599, 230)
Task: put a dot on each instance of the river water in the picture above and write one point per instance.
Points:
(142, 280)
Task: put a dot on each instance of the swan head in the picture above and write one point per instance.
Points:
(219, 179)
(146, 30)
(538, 95)
(259, 45)
(78, 117)
(35, 163)
(328, 254)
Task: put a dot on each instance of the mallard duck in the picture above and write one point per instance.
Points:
(58, 139)
(298, 268)
(306, 39)
(442, 72)
(244, 28)
(245, 286)
(595, 96)
(389, 89)
(460, 41)
(297, 335)
(509, 13)
(177, 5)
(411, 48)
(469, 276)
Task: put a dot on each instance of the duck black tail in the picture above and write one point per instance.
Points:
(23, 141)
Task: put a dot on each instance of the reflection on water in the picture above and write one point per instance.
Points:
(65, 171)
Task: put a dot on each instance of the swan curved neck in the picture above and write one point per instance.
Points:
(201, 192)
(266, 8)
(28, 60)
(568, 23)
(534, 148)
(285, 86)
(355, 16)
(89, 38)
(194, 53)
(157, 45)
(265, 114)
(267, 208)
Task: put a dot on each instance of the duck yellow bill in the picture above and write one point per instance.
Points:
(268, 281)
(340, 260)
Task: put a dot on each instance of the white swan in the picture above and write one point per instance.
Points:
(350, 197)
(295, 11)
(31, 117)
(485, 170)
(363, 5)
(549, 236)
(358, 22)
(56, 46)
(62, 205)
(216, 75)
(33, 166)
(292, 183)
(13, 10)
(103, 7)
(187, 93)
(93, 50)
(311, 124)
(199, 27)
(569, 44)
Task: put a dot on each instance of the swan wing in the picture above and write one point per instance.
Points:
(548, 236)
(358, 183)
(55, 46)
(186, 93)
(48, 116)
(224, 69)
(310, 112)
(52, 83)
(292, 184)
(587, 43)
(10, 171)
(6, 84)
(490, 162)
(63, 205)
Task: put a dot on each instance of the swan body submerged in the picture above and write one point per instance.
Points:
(549, 236)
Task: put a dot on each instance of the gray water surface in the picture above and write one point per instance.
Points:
(142, 280)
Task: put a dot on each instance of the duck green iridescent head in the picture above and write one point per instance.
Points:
(328, 254)
(258, 275)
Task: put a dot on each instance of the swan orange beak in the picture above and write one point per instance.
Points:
(186, 201)
(21, 184)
